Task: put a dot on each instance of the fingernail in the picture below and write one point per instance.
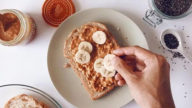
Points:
(115, 51)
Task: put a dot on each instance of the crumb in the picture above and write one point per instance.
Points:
(67, 65)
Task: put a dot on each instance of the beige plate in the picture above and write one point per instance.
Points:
(66, 81)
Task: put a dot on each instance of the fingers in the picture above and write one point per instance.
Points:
(139, 52)
(140, 67)
(120, 80)
(118, 77)
(122, 68)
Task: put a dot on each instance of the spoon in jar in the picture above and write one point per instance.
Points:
(172, 40)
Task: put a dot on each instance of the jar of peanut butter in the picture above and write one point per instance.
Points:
(16, 27)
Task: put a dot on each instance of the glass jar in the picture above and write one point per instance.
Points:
(154, 16)
(27, 28)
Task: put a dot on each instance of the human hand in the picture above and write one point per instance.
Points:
(148, 79)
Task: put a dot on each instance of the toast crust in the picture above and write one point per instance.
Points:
(95, 84)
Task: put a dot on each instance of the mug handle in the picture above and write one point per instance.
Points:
(152, 18)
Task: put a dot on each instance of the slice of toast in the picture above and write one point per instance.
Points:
(24, 101)
(96, 85)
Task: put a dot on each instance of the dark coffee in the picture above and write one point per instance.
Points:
(173, 7)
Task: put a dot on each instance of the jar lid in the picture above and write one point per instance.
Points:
(56, 11)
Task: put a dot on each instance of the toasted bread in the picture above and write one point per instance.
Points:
(24, 101)
(94, 82)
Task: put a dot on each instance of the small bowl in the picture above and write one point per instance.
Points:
(11, 90)
(180, 48)
(177, 35)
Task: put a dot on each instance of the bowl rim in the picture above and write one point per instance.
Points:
(36, 90)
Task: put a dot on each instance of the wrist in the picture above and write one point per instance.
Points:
(163, 101)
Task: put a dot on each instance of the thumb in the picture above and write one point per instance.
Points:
(122, 68)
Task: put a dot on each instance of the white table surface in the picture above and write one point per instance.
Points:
(28, 64)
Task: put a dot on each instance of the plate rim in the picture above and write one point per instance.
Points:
(77, 13)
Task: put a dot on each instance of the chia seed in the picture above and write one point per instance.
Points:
(173, 7)
(171, 41)
(176, 55)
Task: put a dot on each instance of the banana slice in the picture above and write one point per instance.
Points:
(99, 37)
(107, 62)
(82, 57)
(86, 46)
(105, 73)
(98, 65)
(111, 74)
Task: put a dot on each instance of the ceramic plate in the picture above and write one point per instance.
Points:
(66, 81)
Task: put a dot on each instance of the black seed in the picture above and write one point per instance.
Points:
(171, 41)
(178, 55)
(173, 7)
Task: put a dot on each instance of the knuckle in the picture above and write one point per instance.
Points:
(161, 60)
(154, 57)
(132, 79)
(136, 46)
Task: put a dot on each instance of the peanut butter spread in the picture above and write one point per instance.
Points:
(9, 26)
(95, 80)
